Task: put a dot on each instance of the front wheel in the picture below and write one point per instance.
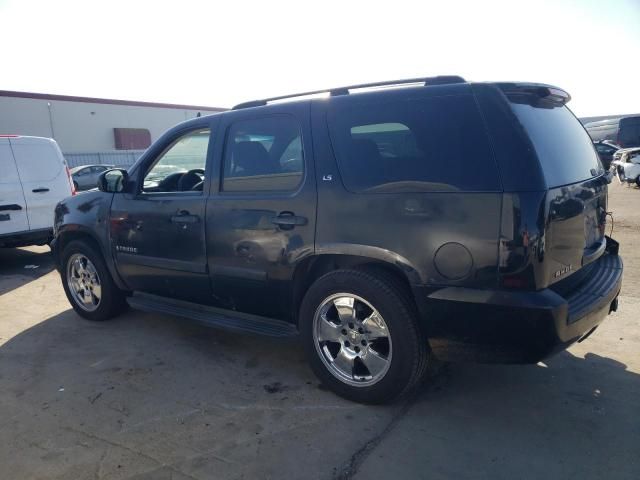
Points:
(88, 283)
(362, 337)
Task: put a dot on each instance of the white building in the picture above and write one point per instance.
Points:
(92, 130)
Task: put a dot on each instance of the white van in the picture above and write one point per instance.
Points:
(34, 177)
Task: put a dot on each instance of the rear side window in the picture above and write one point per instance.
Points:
(263, 154)
(563, 147)
(413, 145)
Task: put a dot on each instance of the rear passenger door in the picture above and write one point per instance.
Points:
(261, 213)
(13, 207)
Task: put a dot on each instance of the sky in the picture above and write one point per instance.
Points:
(222, 53)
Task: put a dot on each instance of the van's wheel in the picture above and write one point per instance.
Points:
(88, 284)
(638, 180)
(361, 335)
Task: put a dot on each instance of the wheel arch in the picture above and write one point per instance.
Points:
(371, 258)
(72, 232)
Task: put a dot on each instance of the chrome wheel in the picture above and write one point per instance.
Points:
(352, 339)
(83, 282)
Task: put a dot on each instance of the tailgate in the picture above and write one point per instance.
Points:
(576, 189)
(575, 227)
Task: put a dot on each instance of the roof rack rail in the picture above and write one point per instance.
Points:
(427, 81)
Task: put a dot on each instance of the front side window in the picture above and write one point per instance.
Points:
(263, 154)
(412, 145)
(181, 167)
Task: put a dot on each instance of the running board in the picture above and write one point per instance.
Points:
(213, 317)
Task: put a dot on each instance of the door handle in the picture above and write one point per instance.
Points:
(183, 217)
(13, 207)
(287, 220)
(40, 190)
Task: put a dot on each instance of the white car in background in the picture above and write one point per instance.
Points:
(627, 165)
(34, 177)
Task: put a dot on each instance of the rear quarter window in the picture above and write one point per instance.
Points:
(412, 145)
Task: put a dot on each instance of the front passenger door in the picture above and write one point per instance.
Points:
(158, 231)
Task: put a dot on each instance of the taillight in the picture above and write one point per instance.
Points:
(73, 187)
(516, 281)
(515, 248)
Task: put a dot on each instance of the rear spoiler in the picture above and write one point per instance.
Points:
(542, 95)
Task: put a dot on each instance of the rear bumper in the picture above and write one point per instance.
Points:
(493, 326)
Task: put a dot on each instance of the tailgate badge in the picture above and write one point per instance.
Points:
(563, 271)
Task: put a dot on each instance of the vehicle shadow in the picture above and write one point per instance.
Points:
(19, 266)
(571, 417)
(150, 396)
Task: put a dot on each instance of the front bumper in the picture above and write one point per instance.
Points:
(492, 326)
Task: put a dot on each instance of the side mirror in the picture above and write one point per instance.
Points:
(113, 181)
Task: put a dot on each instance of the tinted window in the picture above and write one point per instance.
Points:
(263, 154)
(405, 145)
(562, 145)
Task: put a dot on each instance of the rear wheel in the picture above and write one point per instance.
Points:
(88, 283)
(638, 180)
(361, 336)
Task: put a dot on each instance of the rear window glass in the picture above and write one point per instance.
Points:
(412, 145)
(562, 145)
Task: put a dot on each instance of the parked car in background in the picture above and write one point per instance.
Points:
(627, 165)
(606, 151)
(34, 177)
(334, 220)
(624, 131)
(86, 176)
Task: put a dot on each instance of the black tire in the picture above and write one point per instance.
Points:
(410, 352)
(638, 180)
(112, 299)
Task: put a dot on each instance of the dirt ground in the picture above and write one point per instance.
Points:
(156, 397)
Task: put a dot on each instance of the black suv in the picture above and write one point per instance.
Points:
(384, 226)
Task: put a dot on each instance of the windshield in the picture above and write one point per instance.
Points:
(563, 147)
